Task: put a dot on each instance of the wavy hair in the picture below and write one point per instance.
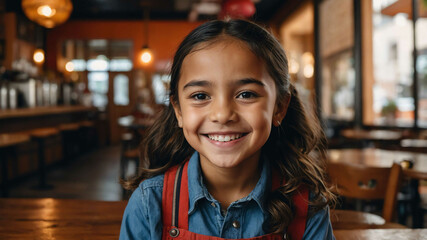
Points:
(296, 148)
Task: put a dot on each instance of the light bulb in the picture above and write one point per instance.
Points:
(146, 55)
(38, 56)
(46, 11)
(69, 67)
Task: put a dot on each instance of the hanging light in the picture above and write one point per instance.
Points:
(237, 9)
(146, 55)
(38, 56)
(47, 13)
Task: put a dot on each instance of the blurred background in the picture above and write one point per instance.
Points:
(82, 80)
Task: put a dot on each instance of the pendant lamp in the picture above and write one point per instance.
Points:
(237, 9)
(146, 55)
(47, 13)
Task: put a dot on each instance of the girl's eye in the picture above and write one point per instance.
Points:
(200, 96)
(246, 95)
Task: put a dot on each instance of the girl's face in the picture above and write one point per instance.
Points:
(227, 103)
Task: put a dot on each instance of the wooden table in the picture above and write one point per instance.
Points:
(48, 218)
(381, 234)
(348, 219)
(373, 137)
(385, 158)
(382, 158)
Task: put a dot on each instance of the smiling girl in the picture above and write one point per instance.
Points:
(232, 155)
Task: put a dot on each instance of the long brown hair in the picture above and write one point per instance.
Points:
(290, 147)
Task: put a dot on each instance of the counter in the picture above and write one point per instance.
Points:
(15, 120)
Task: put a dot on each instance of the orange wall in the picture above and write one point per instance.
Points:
(164, 36)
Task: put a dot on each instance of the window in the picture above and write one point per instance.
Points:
(392, 48)
(94, 60)
(421, 41)
(121, 90)
(98, 86)
(297, 38)
(160, 88)
(337, 56)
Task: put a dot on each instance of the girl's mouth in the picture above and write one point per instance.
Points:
(225, 137)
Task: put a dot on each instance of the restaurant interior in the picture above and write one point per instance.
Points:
(81, 81)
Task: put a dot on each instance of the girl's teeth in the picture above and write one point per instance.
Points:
(224, 138)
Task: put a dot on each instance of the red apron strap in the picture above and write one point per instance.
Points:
(167, 197)
(184, 199)
(300, 200)
(175, 197)
(297, 227)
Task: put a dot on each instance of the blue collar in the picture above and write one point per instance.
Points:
(198, 191)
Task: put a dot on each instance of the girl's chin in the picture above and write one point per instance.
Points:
(221, 162)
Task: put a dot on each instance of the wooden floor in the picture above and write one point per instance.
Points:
(93, 176)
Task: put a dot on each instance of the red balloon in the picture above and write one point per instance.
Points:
(237, 9)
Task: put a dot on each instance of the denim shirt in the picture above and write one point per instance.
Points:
(142, 218)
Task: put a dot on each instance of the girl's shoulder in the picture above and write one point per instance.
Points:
(153, 182)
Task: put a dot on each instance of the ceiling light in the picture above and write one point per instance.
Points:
(47, 13)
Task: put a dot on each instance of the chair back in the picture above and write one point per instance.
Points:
(367, 183)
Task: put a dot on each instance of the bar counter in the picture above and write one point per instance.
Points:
(15, 120)
(23, 159)
(39, 111)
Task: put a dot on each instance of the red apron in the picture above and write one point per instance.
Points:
(175, 204)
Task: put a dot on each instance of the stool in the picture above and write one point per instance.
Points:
(7, 142)
(70, 140)
(40, 135)
(88, 136)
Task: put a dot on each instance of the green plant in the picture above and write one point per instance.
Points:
(389, 108)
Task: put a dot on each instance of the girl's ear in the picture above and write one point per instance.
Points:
(280, 111)
(177, 111)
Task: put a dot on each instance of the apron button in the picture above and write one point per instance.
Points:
(174, 232)
(236, 224)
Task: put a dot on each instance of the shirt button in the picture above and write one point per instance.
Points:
(236, 224)
(213, 204)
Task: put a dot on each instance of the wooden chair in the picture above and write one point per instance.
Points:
(366, 183)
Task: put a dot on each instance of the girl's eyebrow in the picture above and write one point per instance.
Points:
(197, 83)
(250, 81)
(240, 82)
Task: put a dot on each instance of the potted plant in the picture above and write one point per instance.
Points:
(389, 111)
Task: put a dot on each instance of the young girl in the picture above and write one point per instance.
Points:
(232, 155)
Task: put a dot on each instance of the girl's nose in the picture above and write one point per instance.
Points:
(222, 111)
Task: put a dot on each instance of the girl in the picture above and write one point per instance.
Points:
(231, 156)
